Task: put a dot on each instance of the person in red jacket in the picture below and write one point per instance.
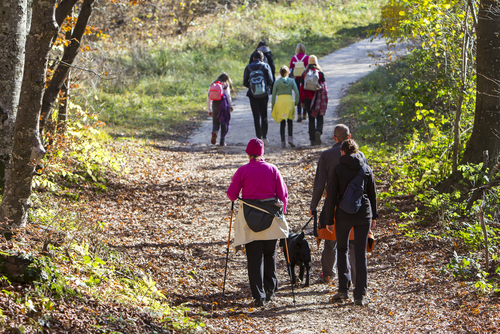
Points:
(302, 60)
(306, 96)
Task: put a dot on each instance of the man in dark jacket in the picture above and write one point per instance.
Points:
(258, 103)
(324, 172)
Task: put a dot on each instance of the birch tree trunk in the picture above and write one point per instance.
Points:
(13, 31)
(27, 149)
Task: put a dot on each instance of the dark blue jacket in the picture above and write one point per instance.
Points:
(253, 66)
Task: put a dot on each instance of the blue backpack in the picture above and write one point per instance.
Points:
(258, 83)
(353, 196)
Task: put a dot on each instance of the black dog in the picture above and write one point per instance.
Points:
(300, 254)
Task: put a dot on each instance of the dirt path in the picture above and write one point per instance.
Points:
(341, 69)
(170, 215)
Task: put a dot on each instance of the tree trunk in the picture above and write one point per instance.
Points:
(70, 53)
(13, 30)
(486, 132)
(27, 149)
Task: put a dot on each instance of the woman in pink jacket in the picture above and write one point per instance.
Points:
(259, 180)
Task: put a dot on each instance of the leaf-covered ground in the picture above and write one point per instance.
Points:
(170, 215)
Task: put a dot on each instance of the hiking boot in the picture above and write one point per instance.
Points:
(299, 119)
(358, 302)
(290, 141)
(340, 296)
(269, 296)
(214, 138)
(222, 142)
(259, 303)
(318, 138)
(313, 143)
(283, 144)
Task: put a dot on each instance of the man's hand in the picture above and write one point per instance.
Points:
(374, 223)
(303, 105)
(210, 113)
(330, 228)
(311, 213)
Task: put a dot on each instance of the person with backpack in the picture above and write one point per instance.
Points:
(258, 79)
(219, 106)
(283, 105)
(324, 172)
(268, 58)
(298, 64)
(314, 86)
(352, 200)
(260, 183)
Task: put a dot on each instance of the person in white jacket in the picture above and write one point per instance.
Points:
(213, 105)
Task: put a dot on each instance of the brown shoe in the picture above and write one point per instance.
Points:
(214, 138)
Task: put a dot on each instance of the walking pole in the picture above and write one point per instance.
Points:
(227, 250)
(288, 265)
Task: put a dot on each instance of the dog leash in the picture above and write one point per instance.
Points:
(307, 223)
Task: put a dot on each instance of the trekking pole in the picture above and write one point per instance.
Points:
(288, 265)
(227, 250)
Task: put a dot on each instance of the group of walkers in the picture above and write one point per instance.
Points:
(302, 85)
(264, 197)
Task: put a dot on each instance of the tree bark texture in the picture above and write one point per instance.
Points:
(13, 31)
(27, 149)
(61, 71)
(486, 132)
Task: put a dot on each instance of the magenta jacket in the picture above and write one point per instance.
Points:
(258, 180)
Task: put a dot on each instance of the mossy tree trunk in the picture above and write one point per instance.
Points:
(27, 149)
(14, 21)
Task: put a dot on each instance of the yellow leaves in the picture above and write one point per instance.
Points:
(402, 13)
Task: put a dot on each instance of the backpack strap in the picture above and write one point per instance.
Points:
(302, 57)
(296, 59)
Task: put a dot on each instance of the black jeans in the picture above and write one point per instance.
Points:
(259, 111)
(282, 128)
(342, 229)
(315, 124)
(261, 261)
(299, 81)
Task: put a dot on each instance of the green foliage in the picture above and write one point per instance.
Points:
(80, 156)
(161, 87)
(74, 261)
(405, 113)
(463, 267)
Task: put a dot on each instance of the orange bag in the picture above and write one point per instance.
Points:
(325, 234)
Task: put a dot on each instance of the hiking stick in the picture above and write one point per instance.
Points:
(227, 250)
(289, 266)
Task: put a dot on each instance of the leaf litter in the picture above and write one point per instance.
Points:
(170, 215)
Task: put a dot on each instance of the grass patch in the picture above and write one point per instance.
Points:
(159, 89)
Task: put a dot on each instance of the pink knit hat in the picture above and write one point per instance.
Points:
(255, 147)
